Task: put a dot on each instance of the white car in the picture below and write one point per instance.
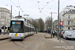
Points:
(69, 34)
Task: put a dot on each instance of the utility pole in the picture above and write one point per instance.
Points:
(58, 19)
(51, 22)
(11, 11)
(19, 11)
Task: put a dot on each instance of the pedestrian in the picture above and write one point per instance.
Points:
(53, 32)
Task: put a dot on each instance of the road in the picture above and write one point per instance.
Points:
(71, 41)
(34, 42)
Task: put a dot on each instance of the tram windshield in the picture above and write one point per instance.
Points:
(16, 27)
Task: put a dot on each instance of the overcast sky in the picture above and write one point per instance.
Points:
(31, 7)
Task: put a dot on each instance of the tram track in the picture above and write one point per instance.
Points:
(20, 46)
(29, 44)
(35, 48)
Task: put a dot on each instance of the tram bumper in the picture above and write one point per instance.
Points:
(18, 37)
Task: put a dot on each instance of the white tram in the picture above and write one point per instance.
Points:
(19, 29)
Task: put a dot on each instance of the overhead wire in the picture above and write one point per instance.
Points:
(47, 4)
(18, 5)
(13, 3)
(39, 6)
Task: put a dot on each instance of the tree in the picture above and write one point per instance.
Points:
(48, 23)
(35, 24)
(41, 24)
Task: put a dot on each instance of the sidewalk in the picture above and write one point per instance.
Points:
(6, 36)
(55, 44)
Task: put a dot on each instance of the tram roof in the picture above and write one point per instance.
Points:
(18, 19)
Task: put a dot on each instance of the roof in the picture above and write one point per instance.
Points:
(69, 12)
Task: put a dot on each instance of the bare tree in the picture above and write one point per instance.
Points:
(41, 24)
(48, 23)
(35, 24)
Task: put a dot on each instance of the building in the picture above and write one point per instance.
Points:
(55, 25)
(68, 20)
(4, 16)
(65, 10)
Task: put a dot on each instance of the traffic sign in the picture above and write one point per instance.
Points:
(61, 23)
(60, 26)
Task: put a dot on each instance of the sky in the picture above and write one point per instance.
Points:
(33, 8)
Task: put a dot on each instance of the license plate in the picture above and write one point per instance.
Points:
(16, 34)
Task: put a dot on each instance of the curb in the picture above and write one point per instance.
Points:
(4, 38)
(46, 37)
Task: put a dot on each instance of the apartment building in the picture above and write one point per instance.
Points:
(68, 20)
(4, 16)
(55, 25)
(65, 10)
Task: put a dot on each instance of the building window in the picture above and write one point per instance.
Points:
(68, 16)
(68, 28)
(68, 22)
(66, 11)
(2, 13)
(63, 11)
(2, 16)
(2, 10)
(2, 19)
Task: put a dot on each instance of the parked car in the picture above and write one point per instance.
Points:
(69, 34)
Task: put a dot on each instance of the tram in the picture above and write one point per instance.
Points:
(19, 29)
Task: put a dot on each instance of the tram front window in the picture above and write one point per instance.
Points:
(16, 27)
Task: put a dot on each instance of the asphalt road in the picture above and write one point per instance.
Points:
(34, 42)
(71, 41)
